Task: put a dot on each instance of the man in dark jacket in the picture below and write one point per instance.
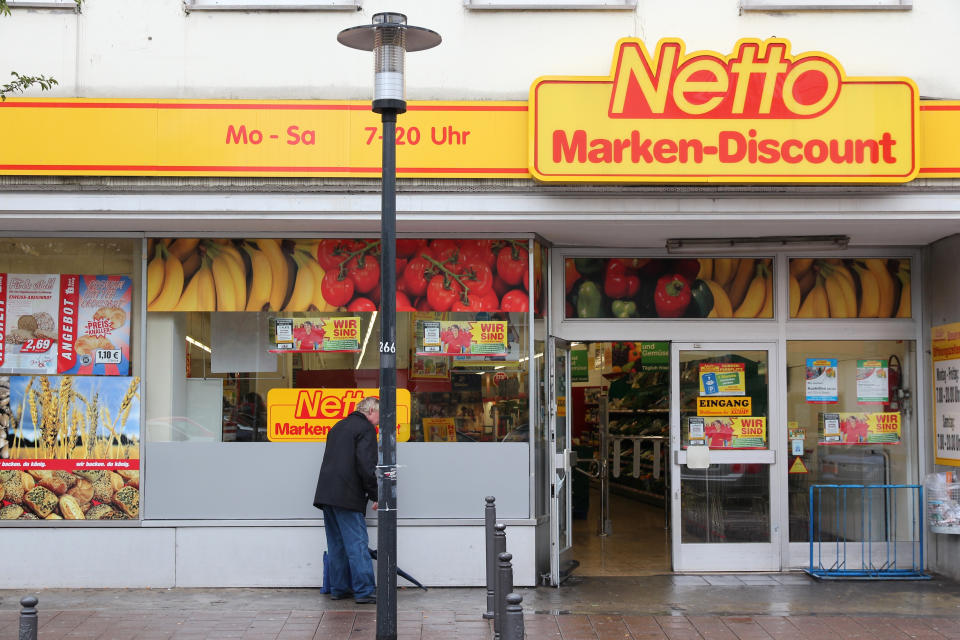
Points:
(347, 480)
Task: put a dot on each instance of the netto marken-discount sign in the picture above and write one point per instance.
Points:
(759, 114)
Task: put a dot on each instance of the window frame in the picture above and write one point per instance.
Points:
(271, 5)
(826, 5)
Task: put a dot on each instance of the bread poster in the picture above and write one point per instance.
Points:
(63, 323)
(70, 448)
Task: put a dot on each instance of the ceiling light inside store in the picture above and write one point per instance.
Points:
(198, 344)
(764, 243)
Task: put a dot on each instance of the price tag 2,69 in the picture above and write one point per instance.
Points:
(37, 345)
(108, 356)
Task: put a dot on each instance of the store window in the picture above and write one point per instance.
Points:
(262, 329)
(69, 379)
(669, 287)
(850, 420)
(850, 288)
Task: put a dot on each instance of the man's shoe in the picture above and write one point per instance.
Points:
(367, 600)
(342, 596)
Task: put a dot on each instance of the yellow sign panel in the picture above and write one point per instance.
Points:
(258, 138)
(759, 114)
(720, 406)
(798, 466)
(307, 415)
(939, 139)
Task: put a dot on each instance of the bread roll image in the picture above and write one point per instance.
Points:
(70, 508)
(131, 477)
(45, 322)
(40, 474)
(41, 500)
(55, 484)
(53, 516)
(82, 492)
(26, 515)
(2, 492)
(115, 315)
(99, 512)
(103, 489)
(11, 512)
(28, 323)
(27, 481)
(13, 486)
(116, 481)
(128, 501)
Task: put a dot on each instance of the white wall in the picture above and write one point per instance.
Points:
(161, 556)
(153, 49)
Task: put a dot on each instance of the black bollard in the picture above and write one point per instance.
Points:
(28, 618)
(499, 546)
(504, 587)
(489, 520)
(513, 618)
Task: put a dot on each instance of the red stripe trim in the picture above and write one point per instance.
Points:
(131, 167)
(242, 106)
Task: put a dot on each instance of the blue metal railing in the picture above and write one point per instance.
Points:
(883, 521)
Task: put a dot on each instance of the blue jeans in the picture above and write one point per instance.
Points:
(348, 553)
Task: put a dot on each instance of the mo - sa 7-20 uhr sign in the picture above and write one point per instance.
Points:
(758, 114)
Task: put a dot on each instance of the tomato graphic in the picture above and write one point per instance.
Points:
(477, 277)
(473, 303)
(490, 301)
(442, 249)
(367, 276)
(335, 290)
(512, 264)
(478, 250)
(442, 295)
(415, 277)
(408, 247)
(361, 304)
(500, 287)
(403, 302)
(333, 251)
(516, 300)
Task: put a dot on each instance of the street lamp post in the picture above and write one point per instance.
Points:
(389, 37)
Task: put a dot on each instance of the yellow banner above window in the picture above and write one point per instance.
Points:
(732, 406)
(307, 415)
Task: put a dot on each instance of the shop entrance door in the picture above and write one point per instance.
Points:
(725, 516)
(558, 427)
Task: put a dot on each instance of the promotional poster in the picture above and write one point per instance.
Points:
(945, 345)
(821, 381)
(64, 323)
(311, 335)
(728, 433)
(462, 337)
(74, 451)
(859, 428)
(722, 379)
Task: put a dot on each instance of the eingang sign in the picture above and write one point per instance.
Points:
(759, 114)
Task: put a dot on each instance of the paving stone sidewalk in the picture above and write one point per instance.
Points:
(448, 625)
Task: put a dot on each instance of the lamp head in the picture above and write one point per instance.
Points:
(389, 37)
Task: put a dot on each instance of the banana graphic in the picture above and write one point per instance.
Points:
(806, 281)
(317, 300)
(192, 264)
(795, 296)
(224, 283)
(155, 275)
(836, 302)
(767, 310)
(190, 299)
(721, 301)
(261, 277)
(878, 267)
(208, 291)
(172, 285)
(706, 269)
(755, 295)
(799, 266)
(903, 309)
(303, 287)
(741, 281)
(279, 270)
(870, 298)
(183, 247)
(849, 291)
(815, 305)
(724, 270)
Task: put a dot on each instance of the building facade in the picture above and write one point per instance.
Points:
(190, 265)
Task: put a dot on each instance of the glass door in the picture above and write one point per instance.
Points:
(558, 424)
(724, 435)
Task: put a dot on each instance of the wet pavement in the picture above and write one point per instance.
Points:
(746, 606)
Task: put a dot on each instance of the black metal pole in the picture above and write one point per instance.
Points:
(387, 476)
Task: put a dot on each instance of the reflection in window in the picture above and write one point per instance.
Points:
(231, 362)
(840, 397)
